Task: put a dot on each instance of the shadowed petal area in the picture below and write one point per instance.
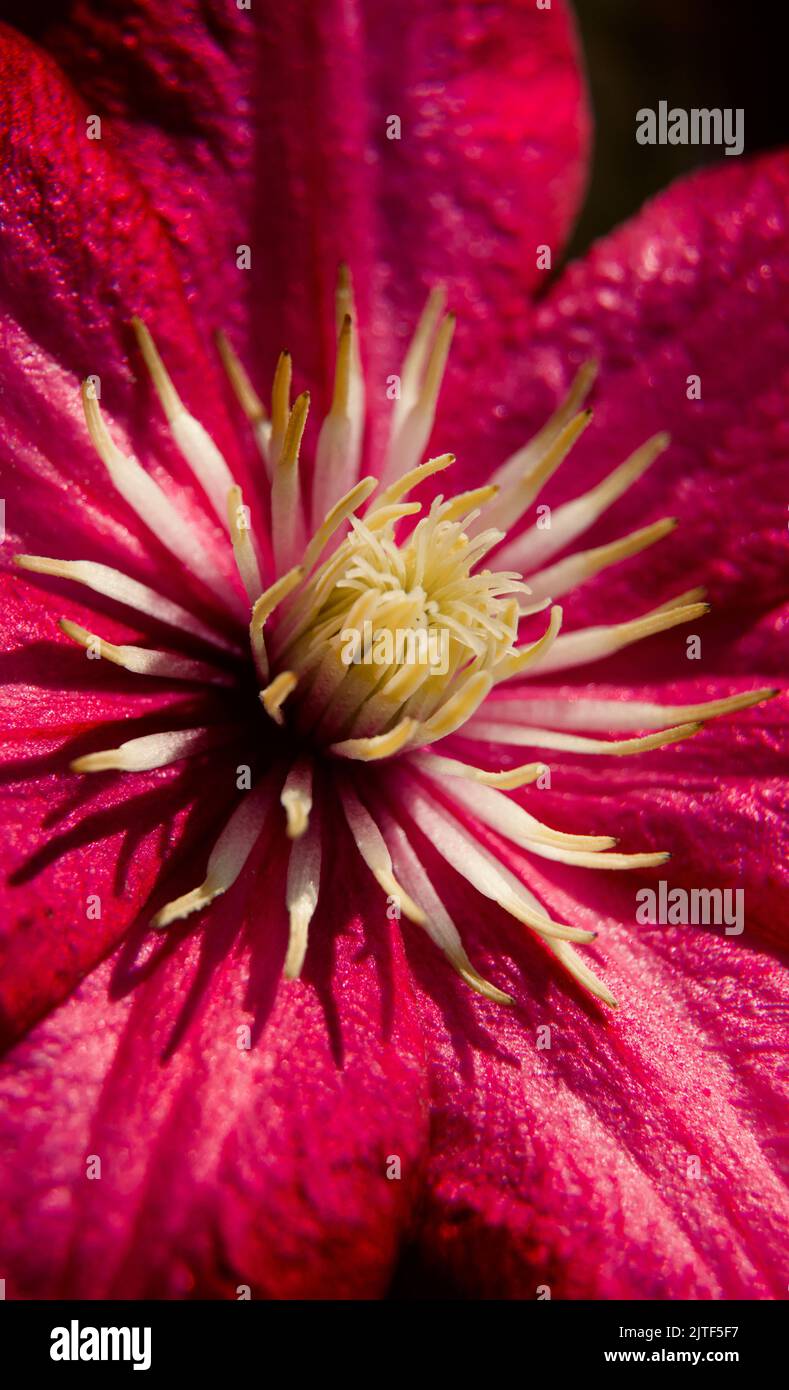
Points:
(633, 1157)
(80, 248)
(81, 863)
(81, 856)
(222, 1163)
(676, 293)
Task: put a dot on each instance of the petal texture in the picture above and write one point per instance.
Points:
(173, 87)
(244, 1139)
(459, 132)
(718, 802)
(633, 1157)
(674, 294)
(81, 250)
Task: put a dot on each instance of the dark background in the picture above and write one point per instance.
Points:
(689, 53)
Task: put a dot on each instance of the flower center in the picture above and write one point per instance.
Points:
(378, 634)
(375, 632)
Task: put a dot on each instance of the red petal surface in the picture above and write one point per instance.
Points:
(66, 838)
(697, 283)
(573, 1166)
(718, 801)
(221, 1166)
(490, 165)
(173, 85)
(567, 1167)
(81, 251)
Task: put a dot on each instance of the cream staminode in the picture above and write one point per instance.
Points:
(358, 554)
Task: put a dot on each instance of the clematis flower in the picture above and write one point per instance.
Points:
(283, 1093)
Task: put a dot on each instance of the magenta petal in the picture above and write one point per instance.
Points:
(696, 284)
(491, 162)
(79, 865)
(491, 165)
(606, 1159)
(221, 1166)
(80, 856)
(81, 251)
(172, 85)
(717, 802)
(494, 137)
(637, 1156)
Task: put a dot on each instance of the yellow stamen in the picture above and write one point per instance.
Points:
(296, 797)
(287, 521)
(280, 403)
(380, 746)
(243, 546)
(246, 395)
(390, 636)
(276, 693)
(263, 609)
(144, 661)
(397, 490)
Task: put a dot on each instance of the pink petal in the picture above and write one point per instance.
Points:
(72, 852)
(570, 1166)
(717, 802)
(495, 137)
(695, 284)
(174, 85)
(69, 839)
(220, 1166)
(81, 251)
(492, 164)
